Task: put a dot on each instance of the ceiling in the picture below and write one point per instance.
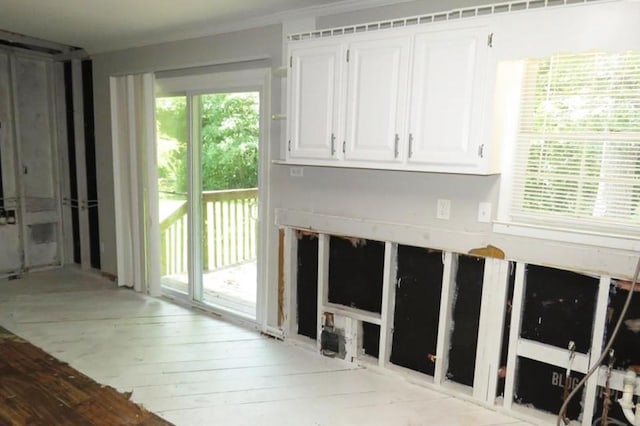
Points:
(104, 25)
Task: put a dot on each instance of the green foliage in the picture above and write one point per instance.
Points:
(573, 108)
(228, 131)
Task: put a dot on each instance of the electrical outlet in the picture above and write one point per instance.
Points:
(443, 209)
(296, 172)
(484, 212)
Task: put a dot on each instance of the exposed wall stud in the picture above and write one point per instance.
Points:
(445, 323)
(514, 334)
(323, 279)
(388, 302)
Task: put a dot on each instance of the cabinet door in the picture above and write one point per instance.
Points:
(446, 97)
(376, 99)
(314, 97)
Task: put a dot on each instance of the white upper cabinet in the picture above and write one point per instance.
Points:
(413, 98)
(446, 98)
(376, 98)
(315, 91)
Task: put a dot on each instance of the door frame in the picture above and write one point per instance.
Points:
(249, 80)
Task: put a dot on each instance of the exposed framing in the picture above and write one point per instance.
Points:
(491, 322)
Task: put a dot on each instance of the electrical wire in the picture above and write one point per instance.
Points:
(605, 351)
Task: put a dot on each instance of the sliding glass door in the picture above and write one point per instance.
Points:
(208, 189)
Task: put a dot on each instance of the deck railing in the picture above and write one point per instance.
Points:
(229, 231)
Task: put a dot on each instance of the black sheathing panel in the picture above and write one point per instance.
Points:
(542, 386)
(355, 273)
(506, 329)
(417, 308)
(559, 307)
(627, 344)
(307, 285)
(371, 339)
(71, 152)
(90, 159)
(466, 319)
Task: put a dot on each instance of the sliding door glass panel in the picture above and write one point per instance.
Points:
(171, 122)
(228, 139)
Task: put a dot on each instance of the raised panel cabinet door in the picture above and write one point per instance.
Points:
(314, 96)
(376, 99)
(446, 97)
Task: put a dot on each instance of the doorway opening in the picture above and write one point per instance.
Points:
(208, 162)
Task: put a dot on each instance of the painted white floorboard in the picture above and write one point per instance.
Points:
(195, 369)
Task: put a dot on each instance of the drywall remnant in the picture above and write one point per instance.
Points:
(488, 251)
(417, 308)
(356, 273)
(559, 307)
(466, 319)
(307, 284)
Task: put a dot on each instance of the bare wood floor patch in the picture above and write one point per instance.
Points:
(37, 389)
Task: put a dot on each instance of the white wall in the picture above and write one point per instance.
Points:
(226, 48)
(380, 196)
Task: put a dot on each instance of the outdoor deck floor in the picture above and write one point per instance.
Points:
(232, 288)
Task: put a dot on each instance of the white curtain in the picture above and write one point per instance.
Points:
(135, 182)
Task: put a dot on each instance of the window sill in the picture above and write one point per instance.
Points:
(598, 239)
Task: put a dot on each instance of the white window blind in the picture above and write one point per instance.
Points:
(577, 154)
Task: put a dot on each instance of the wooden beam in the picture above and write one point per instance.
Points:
(597, 341)
(323, 280)
(388, 302)
(445, 322)
(281, 303)
(514, 334)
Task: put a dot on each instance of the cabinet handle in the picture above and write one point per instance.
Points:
(344, 147)
(410, 144)
(289, 147)
(395, 145)
(333, 144)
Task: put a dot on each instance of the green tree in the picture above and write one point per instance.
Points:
(229, 133)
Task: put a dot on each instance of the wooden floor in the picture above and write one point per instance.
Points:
(37, 389)
(193, 369)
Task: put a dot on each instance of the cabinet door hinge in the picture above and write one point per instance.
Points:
(396, 142)
(347, 55)
(289, 147)
(481, 151)
(490, 40)
(290, 61)
(333, 144)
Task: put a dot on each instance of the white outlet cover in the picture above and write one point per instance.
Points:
(443, 209)
(296, 172)
(484, 212)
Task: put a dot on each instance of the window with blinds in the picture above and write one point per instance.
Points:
(577, 153)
